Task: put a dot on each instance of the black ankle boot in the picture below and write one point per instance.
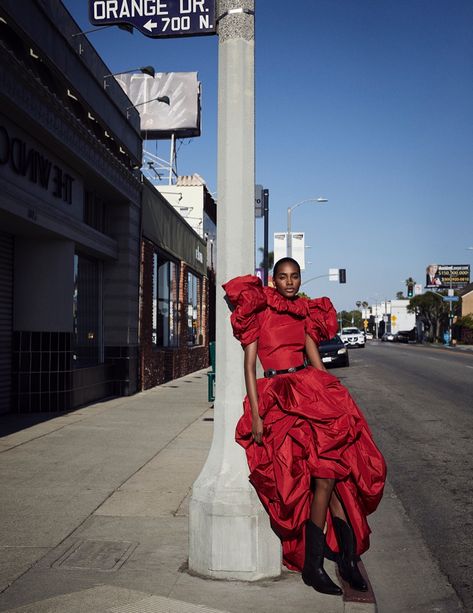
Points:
(346, 560)
(313, 573)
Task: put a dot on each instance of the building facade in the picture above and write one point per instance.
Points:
(190, 197)
(104, 287)
(70, 209)
(174, 296)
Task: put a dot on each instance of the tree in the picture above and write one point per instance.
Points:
(350, 318)
(433, 312)
(270, 258)
(400, 296)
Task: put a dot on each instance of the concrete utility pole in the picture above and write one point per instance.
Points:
(230, 536)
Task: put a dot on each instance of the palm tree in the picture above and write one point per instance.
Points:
(270, 258)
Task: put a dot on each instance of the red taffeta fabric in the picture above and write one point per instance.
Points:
(312, 426)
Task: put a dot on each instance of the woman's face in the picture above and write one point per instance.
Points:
(287, 280)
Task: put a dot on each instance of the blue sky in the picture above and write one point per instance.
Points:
(368, 103)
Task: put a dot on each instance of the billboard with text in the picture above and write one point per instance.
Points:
(445, 276)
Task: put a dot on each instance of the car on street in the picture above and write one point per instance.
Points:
(334, 352)
(368, 336)
(352, 337)
(388, 337)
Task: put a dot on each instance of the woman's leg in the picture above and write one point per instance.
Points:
(336, 507)
(321, 501)
(347, 558)
(313, 573)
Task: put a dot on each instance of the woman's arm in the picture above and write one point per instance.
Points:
(313, 354)
(251, 389)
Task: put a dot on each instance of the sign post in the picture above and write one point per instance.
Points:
(229, 532)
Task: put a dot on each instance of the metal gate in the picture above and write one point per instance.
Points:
(6, 319)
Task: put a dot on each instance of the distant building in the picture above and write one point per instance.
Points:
(467, 300)
(174, 294)
(390, 316)
(192, 200)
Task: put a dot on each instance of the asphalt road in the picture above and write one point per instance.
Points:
(419, 403)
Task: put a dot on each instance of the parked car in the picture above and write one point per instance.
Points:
(388, 337)
(406, 336)
(401, 337)
(334, 352)
(368, 336)
(352, 337)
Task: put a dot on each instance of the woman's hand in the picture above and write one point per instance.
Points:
(257, 429)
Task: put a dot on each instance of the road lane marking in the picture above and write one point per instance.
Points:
(466, 366)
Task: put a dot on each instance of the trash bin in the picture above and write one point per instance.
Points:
(211, 373)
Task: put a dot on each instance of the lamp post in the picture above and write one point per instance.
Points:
(163, 99)
(147, 70)
(289, 219)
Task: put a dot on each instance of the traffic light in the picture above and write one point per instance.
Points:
(342, 275)
(410, 291)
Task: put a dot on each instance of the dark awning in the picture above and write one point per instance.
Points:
(168, 230)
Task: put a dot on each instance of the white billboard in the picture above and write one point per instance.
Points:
(298, 247)
(280, 245)
(160, 120)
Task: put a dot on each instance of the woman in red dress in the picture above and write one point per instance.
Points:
(311, 455)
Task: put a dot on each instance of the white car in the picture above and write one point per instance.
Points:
(352, 337)
(368, 336)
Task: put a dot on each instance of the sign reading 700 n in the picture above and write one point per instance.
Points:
(157, 18)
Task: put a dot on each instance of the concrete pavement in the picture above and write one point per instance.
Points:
(94, 519)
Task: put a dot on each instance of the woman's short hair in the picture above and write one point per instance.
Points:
(282, 261)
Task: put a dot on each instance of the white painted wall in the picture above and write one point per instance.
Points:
(404, 320)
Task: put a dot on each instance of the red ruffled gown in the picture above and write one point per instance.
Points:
(312, 426)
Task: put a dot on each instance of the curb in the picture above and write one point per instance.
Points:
(355, 601)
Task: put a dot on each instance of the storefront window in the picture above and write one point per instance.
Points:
(194, 310)
(87, 313)
(165, 302)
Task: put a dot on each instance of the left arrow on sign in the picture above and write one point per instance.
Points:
(150, 25)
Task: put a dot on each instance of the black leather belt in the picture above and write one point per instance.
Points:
(272, 373)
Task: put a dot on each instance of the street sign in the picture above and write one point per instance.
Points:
(157, 18)
(451, 298)
(333, 274)
(259, 201)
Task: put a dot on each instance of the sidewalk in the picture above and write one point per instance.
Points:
(94, 509)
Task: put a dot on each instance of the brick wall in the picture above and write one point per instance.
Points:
(161, 364)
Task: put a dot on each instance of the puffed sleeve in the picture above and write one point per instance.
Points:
(321, 323)
(247, 296)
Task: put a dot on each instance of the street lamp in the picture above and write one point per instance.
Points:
(164, 99)
(289, 215)
(147, 70)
